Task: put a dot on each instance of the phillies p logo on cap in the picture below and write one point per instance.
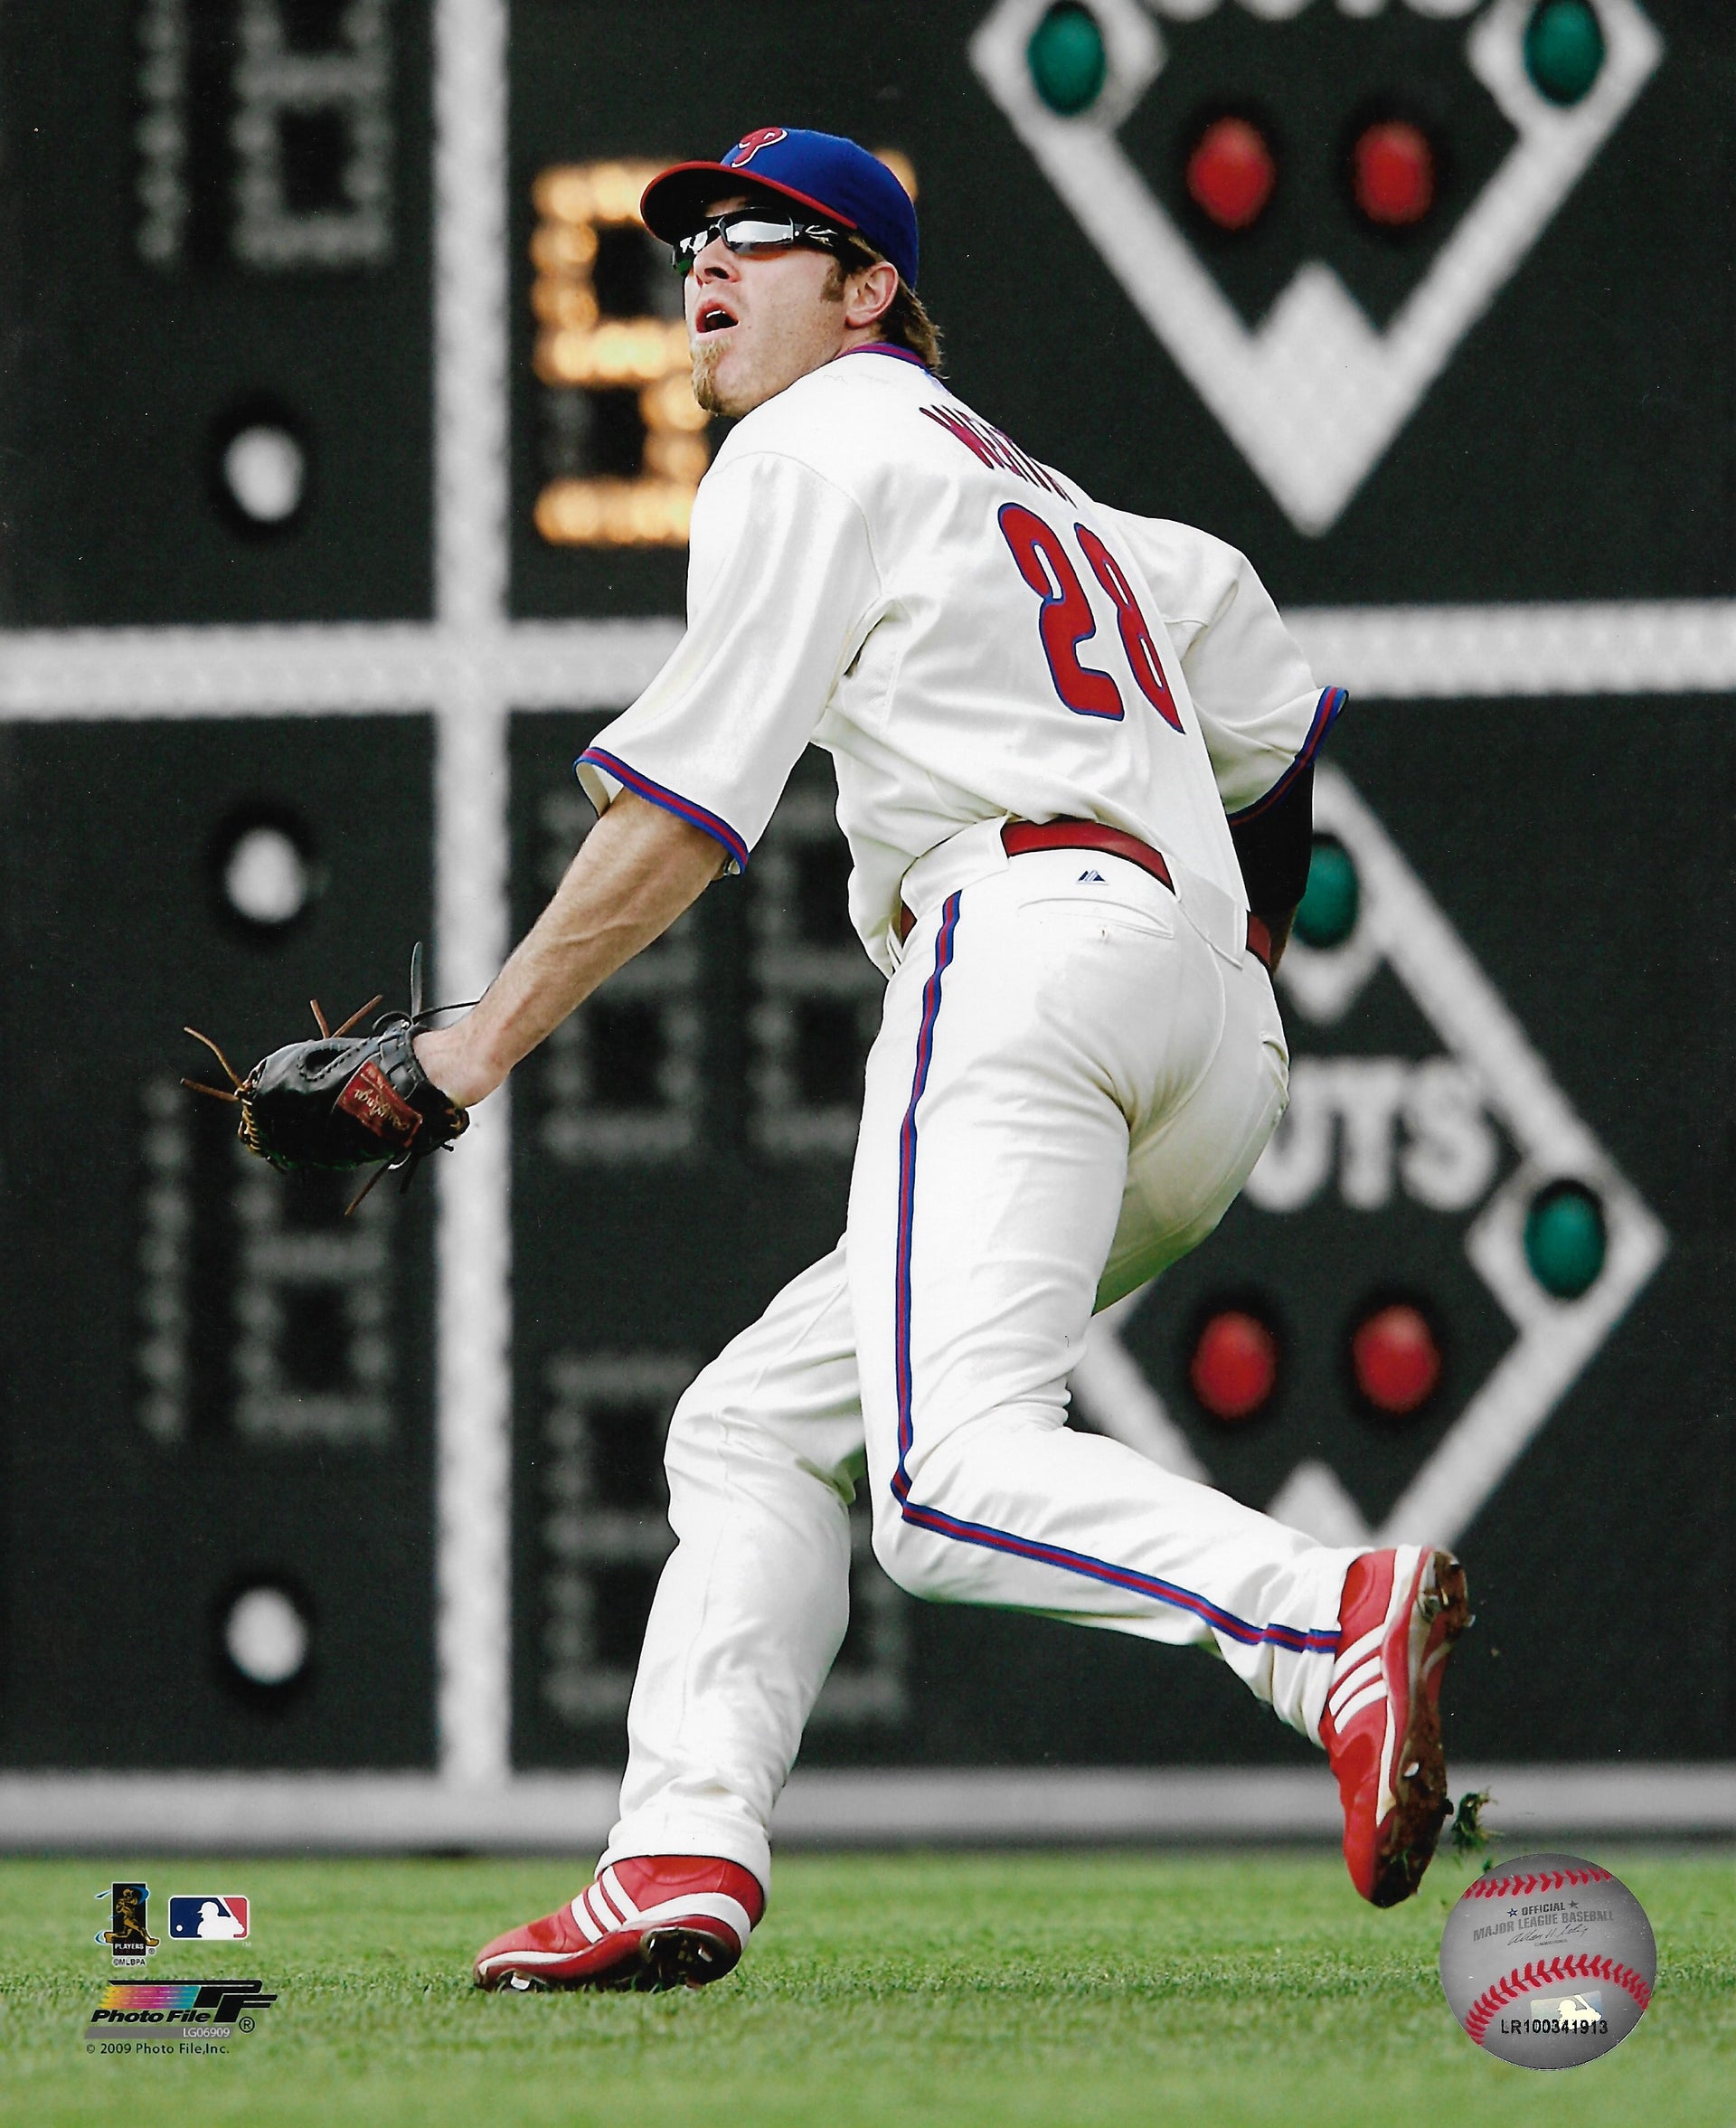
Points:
(750, 144)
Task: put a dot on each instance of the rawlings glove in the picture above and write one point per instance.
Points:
(345, 1100)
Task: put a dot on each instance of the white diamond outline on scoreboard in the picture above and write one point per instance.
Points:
(1400, 924)
(1313, 396)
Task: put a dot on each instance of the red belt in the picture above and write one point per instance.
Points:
(1020, 836)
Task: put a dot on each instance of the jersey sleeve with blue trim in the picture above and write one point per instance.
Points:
(1262, 714)
(782, 589)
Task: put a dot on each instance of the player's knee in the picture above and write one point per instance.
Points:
(715, 1439)
(907, 1554)
(696, 1436)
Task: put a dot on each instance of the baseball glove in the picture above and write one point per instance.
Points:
(345, 1100)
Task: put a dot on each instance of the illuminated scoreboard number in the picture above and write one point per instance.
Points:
(264, 134)
(624, 441)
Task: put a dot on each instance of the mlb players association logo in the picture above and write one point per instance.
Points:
(127, 1936)
(208, 1918)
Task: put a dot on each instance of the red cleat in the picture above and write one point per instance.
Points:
(656, 1922)
(1399, 1616)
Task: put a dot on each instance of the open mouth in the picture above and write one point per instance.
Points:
(712, 317)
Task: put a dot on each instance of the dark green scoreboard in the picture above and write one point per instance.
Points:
(218, 1545)
(1562, 453)
(217, 233)
(1427, 307)
(1571, 446)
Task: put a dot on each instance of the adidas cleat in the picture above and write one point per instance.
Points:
(1399, 1616)
(652, 1923)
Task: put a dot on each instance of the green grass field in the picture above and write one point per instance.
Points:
(1048, 1988)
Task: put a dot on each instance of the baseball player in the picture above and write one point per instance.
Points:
(1073, 752)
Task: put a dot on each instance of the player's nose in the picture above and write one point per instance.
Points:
(716, 261)
(715, 266)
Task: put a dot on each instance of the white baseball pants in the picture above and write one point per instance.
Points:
(1069, 1087)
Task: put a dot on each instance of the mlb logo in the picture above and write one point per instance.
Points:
(1569, 2008)
(210, 1917)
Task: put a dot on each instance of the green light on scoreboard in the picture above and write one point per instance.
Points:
(1067, 58)
(1564, 49)
(1566, 1241)
(1329, 908)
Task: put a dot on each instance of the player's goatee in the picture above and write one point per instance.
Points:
(705, 362)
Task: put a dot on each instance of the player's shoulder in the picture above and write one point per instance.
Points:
(1177, 542)
(1192, 571)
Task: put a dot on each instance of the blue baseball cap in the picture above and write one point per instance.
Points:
(840, 182)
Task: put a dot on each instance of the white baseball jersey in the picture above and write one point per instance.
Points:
(877, 570)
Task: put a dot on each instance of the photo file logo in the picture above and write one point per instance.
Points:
(197, 2007)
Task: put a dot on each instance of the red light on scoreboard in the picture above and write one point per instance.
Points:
(1392, 171)
(1395, 1359)
(1233, 1369)
(1232, 174)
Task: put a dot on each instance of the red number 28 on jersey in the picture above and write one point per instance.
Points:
(1065, 620)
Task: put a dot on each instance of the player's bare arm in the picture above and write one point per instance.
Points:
(639, 869)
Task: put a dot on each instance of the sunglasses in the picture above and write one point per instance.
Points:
(749, 230)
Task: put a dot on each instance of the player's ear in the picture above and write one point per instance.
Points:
(869, 292)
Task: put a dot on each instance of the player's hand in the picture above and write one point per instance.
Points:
(345, 1101)
(448, 1055)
